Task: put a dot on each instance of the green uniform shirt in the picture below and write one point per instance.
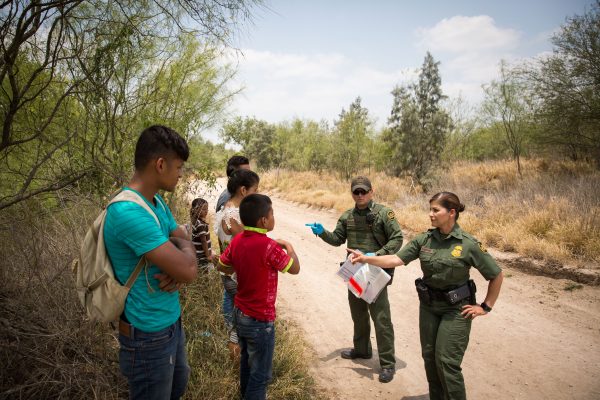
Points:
(381, 235)
(446, 261)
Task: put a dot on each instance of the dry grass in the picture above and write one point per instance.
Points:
(214, 376)
(326, 190)
(50, 351)
(551, 212)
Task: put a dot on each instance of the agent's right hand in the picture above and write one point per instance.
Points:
(356, 256)
(316, 228)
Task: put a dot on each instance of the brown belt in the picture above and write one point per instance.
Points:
(125, 329)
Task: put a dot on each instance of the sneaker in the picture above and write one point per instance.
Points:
(351, 355)
(386, 375)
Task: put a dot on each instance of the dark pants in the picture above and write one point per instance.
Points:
(444, 338)
(384, 330)
(257, 342)
(155, 363)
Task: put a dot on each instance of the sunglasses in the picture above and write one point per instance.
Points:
(359, 192)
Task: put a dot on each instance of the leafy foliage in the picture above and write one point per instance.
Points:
(566, 85)
(352, 145)
(81, 79)
(509, 112)
(418, 125)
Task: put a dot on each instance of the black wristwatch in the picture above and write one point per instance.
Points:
(485, 307)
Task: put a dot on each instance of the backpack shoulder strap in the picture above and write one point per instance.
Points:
(136, 272)
(130, 195)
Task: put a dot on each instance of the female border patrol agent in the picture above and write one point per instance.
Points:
(446, 294)
(370, 228)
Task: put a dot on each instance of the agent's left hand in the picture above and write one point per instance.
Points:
(167, 284)
(472, 311)
(316, 228)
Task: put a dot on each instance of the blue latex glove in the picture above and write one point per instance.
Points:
(316, 228)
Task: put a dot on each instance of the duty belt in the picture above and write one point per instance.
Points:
(451, 296)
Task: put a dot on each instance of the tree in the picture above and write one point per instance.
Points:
(417, 125)
(301, 145)
(464, 127)
(351, 140)
(72, 73)
(509, 111)
(254, 136)
(566, 86)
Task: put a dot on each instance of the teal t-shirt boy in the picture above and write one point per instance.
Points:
(130, 232)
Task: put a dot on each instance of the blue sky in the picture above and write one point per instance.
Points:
(309, 59)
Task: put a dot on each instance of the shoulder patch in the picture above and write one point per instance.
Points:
(391, 215)
(482, 247)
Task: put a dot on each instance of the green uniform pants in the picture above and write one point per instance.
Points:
(384, 330)
(444, 338)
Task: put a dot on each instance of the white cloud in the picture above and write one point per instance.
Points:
(281, 86)
(470, 50)
(290, 66)
(475, 67)
(467, 34)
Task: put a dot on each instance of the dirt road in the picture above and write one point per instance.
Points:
(540, 341)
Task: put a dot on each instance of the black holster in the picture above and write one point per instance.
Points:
(473, 288)
(423, 291)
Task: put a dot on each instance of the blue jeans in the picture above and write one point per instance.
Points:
(155, 363)
(230, 289)
(257, 342)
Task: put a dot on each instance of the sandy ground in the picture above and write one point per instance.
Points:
(540, 341)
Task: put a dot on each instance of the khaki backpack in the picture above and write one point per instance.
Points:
(99, 291)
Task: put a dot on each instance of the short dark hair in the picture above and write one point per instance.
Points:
(233, 164)
(449, 201)
(254, 207)
(242, 177)
(159, 141)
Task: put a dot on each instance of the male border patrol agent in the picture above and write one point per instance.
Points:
(370, 228)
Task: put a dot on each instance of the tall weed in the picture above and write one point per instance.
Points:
(551, 212)
(48, 348)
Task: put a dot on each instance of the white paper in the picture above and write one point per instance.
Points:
(378, 279)
(368, 282)
(347, 270)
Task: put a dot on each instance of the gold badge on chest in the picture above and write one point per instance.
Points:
(457, 251)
